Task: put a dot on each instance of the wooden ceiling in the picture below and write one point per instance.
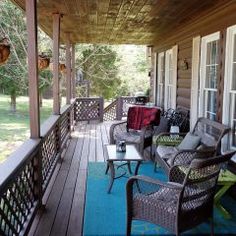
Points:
(120, 21)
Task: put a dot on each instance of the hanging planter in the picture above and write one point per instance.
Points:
(43, 62)
(4, 51)
(62, 68)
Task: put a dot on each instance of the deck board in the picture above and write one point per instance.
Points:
(64, 209)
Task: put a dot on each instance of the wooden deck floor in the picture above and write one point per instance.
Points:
(64, 201)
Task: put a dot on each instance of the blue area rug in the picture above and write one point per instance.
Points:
(105, 214)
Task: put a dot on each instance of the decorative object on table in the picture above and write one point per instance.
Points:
(120, 146)
(4, 50)
(174, 129)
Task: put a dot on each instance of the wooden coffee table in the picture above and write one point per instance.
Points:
(112, 156)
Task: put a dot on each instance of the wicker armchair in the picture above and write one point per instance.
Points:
(210, 133)
(180, 204)
(139, 134)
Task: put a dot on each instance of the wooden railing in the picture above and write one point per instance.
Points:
(118, 108)
(110, 112)
(25, 175)
(87, 109)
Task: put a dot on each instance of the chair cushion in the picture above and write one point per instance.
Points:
(190, 141)
(130, 137)
(166, 151)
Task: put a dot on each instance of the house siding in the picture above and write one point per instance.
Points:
(216, 20)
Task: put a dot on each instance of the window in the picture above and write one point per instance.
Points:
(170, 78)
(209, 75)
(160, 79)
(229, 102)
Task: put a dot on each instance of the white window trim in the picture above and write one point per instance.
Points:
(155, 82)
(160, 55)
(174, 52)
(207, 39)
(226, 117)
(195, 81)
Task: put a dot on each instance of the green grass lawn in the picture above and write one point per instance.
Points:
(14, 127)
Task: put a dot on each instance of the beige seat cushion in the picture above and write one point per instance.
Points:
(166, 151)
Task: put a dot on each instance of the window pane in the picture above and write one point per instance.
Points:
(234, 77)
(234, 134)
(211, 105)
(212, 52)
(234, 48)
(211, 76)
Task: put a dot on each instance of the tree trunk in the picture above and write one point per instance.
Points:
(13, 103)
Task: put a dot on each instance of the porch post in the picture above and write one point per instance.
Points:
(31, 17)
(68, 70)
(56, 44)
(73, 83)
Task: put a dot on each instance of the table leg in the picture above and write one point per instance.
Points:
(107, 168)
(217, 198)
(111, 166)
(129, 168)
(137, 167)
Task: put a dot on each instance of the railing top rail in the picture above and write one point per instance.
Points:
(49, 124)
(66, 108)
(89, 98)
(110, 105)
(16, 160)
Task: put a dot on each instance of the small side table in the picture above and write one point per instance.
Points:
(225, 181)
(112, 156)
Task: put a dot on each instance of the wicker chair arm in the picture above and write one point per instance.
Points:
(112, 130)
(150, 181)
(145, 130)
(184, 157)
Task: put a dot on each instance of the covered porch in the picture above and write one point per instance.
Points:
(43, 184)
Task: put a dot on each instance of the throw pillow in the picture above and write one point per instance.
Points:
(190, 141)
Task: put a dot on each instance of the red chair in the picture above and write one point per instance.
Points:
(138, 129)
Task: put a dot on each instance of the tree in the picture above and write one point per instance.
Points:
(99, 65)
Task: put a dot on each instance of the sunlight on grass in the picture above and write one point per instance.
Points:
(14, 127)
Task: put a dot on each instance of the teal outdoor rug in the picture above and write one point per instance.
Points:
(105, 214)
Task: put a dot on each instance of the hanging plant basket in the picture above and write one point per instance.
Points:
(62, 68)
(4, 51)
(43, 62)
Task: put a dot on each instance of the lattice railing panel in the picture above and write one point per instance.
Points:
(110, 111)
(65, 125)
(88, 109)
(125, 102)
(18, 200)
(50, 149)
